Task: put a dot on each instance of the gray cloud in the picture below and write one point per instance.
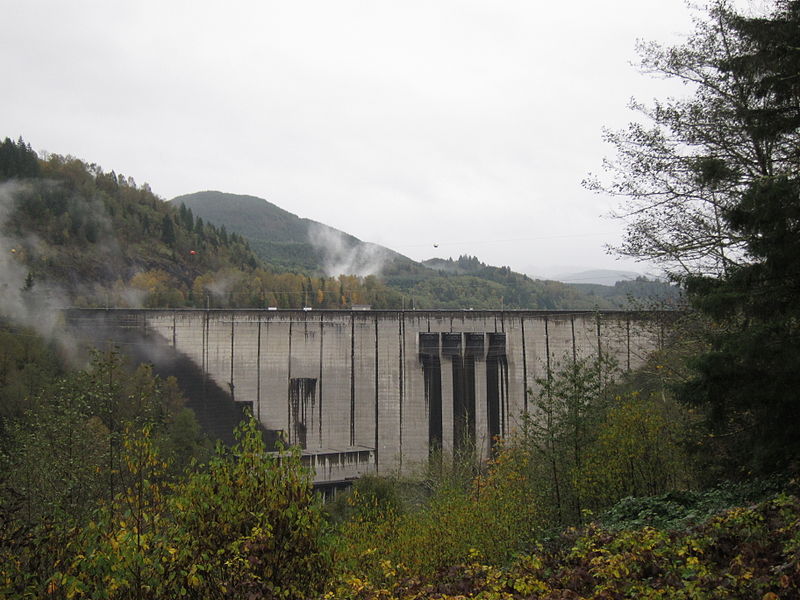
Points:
(464, 123)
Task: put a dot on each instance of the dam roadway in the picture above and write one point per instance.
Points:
(365, 391)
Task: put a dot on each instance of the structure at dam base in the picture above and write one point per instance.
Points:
(378, 390)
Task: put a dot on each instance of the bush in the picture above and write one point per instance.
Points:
(248, 526)
(680, 509)
(495, 515)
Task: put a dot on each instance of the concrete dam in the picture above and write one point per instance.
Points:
(379, 390)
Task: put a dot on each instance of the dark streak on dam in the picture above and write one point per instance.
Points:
(377, 390)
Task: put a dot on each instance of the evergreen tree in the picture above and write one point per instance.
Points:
(167, 230)
(17, 159)
(750, 377)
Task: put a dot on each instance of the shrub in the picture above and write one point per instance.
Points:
(247, 526)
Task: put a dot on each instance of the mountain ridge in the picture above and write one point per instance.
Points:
(284, 239)
(288, 241)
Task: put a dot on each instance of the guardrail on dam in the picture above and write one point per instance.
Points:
(377, 390)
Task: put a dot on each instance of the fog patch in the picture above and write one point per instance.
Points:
(130, 297)
(27, 298)
(220, 285)
(23, 299)
(341, 256)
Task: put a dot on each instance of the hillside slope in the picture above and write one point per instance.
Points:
(289, 242)
(83, 236)
(286, 241)
(73, 234)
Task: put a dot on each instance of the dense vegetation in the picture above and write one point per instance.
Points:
(677, 481)
(519, 290)
(74, 234)
(282, 239)
(288, 242)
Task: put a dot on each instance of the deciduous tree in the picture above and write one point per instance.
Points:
(688, 160)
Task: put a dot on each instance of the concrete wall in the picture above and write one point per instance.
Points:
(396, 383)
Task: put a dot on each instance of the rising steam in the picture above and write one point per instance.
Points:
(28, 299)
(341, 256)
(36, 306)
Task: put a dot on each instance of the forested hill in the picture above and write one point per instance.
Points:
(288, 242)
(97, 237)
(636, 293)
(74, 234)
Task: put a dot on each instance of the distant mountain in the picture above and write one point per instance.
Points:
(598, 276)
(286, 241)
(595, 276)
(637, 293)
(73, 234)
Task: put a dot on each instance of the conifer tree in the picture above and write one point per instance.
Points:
(750, 377)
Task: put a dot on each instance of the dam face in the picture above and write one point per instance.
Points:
(366, 391)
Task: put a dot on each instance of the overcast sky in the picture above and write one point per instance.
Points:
(467, 124)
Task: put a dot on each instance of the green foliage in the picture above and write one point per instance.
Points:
(17, 160)
(370, 498)
(638, 449)
(168, 231)
(247, 526)
(94, 231)
(637, 293)
(494, 515)
(689, 159)
(678, 510)
(55, 455)
(101, 496)
(455, 292)
(469, 283)
(742, 553)
(711, 189)
(256, 520)
(115, 555)
(27, 363)
(560, 427)
(67, 448)
(747, 380)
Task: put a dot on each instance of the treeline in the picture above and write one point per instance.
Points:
(103, 240)
(516, 290)
(468, 283)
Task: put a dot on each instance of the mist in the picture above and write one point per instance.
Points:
(340, 256)
(25, 300)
